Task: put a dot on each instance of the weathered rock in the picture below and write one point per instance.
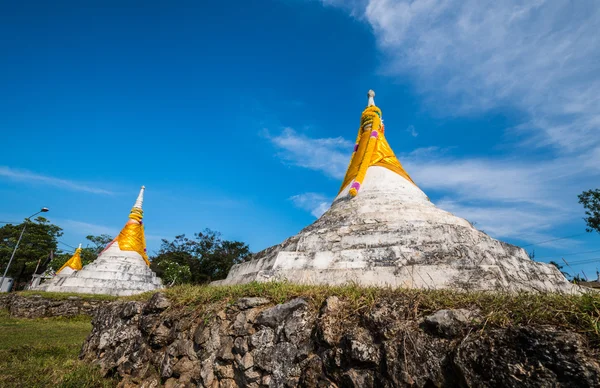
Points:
(226, 351)
(294, 345)
(274, 316)
(228, 383)
(358, 379)
(245, 362)
(157, 303)
(130, 309)
(36, 306)
(224, 371)
(248, 303)
(161, 336)
(449, 323)
(240, 345)
(527, 357)
(185, 366)
(361, 347)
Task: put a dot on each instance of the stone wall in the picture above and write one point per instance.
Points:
(253, 342)
(36, 306)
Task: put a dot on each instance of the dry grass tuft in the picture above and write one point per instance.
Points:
(579, 313)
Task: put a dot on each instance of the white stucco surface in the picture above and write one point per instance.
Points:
(114, 272)
(390, 234)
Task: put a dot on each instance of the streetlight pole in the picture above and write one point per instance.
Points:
(44, 210)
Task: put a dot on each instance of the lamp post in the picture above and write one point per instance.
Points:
(43, 210)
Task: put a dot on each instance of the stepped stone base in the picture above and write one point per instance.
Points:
(392, 235)
(115, 272)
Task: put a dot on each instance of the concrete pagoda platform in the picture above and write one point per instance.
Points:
(114, 272)
(386, 232)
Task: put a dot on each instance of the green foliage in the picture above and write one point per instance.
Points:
(98, 243)
(175, 273)
(43, 353)
(207, 256)
(591, 203)
(39, 239)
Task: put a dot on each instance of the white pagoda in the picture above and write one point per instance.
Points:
(121, 269)
(383, 230)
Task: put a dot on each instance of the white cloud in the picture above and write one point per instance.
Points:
(522, 222)
(329, 155)
(413, 132)
(315, 203)
(506, 179)
(31, 177)
(470, 56)
(86, 228)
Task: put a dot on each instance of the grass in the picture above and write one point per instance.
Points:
(578, 313)
(43, 353)
(67, 295)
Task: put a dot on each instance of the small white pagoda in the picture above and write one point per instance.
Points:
(121, 269)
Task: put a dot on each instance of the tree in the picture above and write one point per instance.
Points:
(175, 273)
(99, 242)
(591, 203)
(39, 239)
(207, 256)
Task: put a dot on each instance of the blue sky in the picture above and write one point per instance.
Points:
(239, 116)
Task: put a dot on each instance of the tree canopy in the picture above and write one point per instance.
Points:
(39, 239)
(207, 256)
(591, 203)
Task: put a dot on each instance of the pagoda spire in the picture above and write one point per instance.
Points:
(371, 96)
(132, 237)
(371, 149)
(74, 262)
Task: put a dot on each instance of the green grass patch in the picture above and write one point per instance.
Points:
(578, 313)
(66, 295)
(44, 353)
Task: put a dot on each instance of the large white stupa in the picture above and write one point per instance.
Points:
(383, 230)
(121, 269)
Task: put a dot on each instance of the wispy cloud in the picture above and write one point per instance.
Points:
(413, 132)
(522, 222)
(315, 203)
(468, 56)
(329, 155)
(34, 178)
(87, 228)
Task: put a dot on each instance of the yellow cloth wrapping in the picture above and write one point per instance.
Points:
(74, 262)
(365, 163)
(132, 237)
(382, 154)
